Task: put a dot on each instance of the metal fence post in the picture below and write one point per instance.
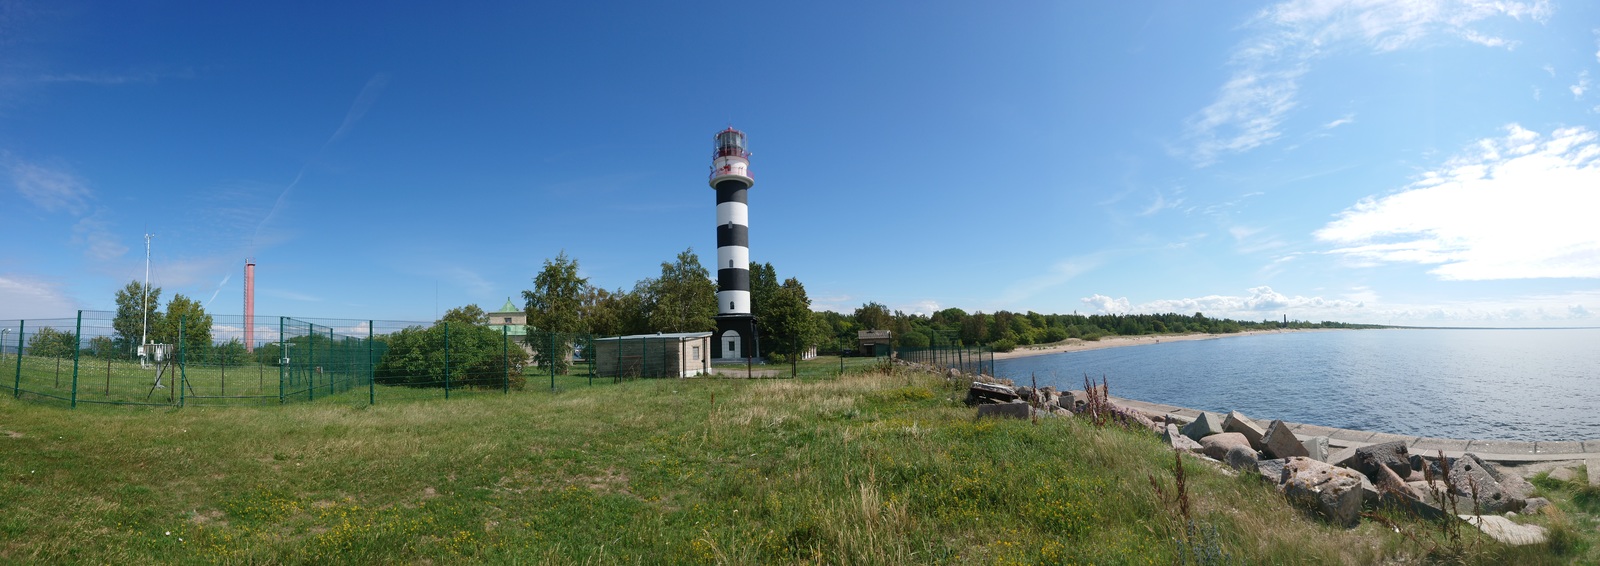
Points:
(16, 384)
(552, 360)
(446, 360)
(330, 360)
(281, 356)
(181, 380)
(311, 362)
(77, 346)
(372, 388)
(505, 353)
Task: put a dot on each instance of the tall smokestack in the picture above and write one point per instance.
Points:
(250, 305)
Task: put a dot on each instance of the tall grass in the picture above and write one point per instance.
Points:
(877, 466)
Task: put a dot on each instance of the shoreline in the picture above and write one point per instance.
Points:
(1080, 345)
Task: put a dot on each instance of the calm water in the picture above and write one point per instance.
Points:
(1483, 384)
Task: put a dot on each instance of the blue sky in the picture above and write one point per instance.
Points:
(1369, 161)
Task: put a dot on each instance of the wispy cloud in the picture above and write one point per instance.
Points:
(49, 188)
(1161, 203)
(93, 232)
(1581, 86)
(1263, 89)
(1516, 207)
(23, 297)
(56, 189)
(1054, 276)
(358, 108)
(1348, 118)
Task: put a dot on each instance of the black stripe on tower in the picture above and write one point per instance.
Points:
(733, 279)
(733, 235)
(731, 191)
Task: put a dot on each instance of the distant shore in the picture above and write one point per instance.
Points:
(1077, 345)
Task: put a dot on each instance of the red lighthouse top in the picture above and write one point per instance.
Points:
(730, 143)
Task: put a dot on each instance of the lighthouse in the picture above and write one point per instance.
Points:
(730, 176)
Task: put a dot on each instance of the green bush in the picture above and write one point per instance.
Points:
(1006, 345)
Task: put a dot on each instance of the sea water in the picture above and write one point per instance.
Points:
(1510, 384)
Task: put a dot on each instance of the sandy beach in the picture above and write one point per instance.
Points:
(1076, 345)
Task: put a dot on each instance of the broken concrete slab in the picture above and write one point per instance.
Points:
(1282, 443)
(1237, 422)
(1507, 531)
(1204, 425)
(1316, 447)
(1005, 410)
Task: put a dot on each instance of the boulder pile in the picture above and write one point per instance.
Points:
(1333, 485)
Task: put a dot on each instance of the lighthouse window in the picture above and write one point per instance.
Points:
(730, 263)
(730, 305)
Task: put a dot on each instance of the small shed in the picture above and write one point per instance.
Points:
(874, 343)
(683, 354)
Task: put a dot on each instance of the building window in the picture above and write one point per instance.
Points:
(508, 320)
(696, 352)
(731, 346)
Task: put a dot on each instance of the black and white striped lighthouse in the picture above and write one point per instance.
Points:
(730, 176)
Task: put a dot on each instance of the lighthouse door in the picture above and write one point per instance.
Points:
(730, 345)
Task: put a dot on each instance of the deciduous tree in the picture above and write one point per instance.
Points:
(794, 326)
(684, 298)
(133, 308)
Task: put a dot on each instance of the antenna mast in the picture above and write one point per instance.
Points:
(144, 310)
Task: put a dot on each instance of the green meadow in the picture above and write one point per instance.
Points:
(877, 465)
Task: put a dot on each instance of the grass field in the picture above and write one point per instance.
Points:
(877, 466)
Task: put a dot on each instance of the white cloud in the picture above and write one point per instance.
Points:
(1517, 207)
(24, 297)
(93, 232)
(1107, 305)
(1261, 302)
(1348, 118)
(1363, 305)
(51, 189)
(1581, 86)
(1252, 104)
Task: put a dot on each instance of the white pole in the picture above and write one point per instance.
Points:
(144, 309)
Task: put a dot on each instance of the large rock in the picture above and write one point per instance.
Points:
(1273, 470)
(981, 392)
(1205, 425)
(1218, 445)
(1391, 455)
(1178, 441)
(1316, 447)
(1005, 410)
(1334, 493)
(1237, 422)
(1508, 532)
(1281, 442)
(1242, 458)
(1471, 477)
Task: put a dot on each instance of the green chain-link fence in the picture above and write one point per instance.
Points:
(85, 359)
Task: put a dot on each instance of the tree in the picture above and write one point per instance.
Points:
(794, 326)
(874, 316)
(133, 309)
(232, 352)
(478, 357)
(470, 314)
(684, 298)
(48, 342)
(555, 305)
(763, 284)
(102, 347)
(195, 323)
